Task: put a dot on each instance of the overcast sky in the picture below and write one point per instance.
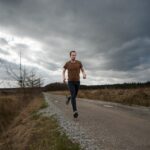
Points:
(111, 37)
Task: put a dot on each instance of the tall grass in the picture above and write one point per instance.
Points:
(29, 130)
(134, 96)
(11, 105)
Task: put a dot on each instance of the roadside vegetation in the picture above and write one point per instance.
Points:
(21, 128)
(132, 96)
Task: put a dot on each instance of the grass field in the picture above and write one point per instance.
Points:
(23, 129)
(137, 96)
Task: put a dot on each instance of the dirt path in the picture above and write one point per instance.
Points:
(112, 126)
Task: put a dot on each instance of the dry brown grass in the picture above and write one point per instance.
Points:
(10, 107)
(139, 96)
(17, 133)
(31, 131)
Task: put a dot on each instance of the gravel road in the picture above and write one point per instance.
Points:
(102, 125)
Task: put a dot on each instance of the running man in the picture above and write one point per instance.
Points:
(73, 67)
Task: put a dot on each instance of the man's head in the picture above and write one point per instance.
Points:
(73, 54)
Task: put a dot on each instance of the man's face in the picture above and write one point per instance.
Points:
(73, 56)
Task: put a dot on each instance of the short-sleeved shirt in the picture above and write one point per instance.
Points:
(73, 70)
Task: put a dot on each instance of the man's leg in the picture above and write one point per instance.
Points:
(77, 85)
(71, 86)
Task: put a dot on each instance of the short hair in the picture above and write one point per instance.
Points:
(72, 52)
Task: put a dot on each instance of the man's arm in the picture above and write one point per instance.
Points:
(83, 72)
(63, 75)
(65, 67)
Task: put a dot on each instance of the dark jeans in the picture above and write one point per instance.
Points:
(73, 87)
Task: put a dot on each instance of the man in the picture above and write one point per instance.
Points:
(73, 67)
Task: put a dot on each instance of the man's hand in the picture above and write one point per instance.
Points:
(84, 76)
(83, 72)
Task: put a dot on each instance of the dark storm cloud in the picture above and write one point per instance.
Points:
(10, 1)
(109, 23)
(131, 55)
(128, 57)
(95, 21)
(108, 35)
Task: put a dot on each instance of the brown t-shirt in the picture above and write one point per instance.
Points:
(73, 70)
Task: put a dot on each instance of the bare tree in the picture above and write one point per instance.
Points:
(24, 78)
(32, 79)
